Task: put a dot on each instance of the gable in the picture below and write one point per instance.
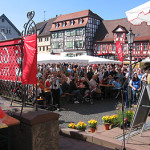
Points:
(120, 28)
(10, 23)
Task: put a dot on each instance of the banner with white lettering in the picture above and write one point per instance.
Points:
(119, 51)
(10, 59)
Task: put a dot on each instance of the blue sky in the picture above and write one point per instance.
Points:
(16, 10)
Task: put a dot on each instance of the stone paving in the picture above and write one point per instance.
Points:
(84, 112)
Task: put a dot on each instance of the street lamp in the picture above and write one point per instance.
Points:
(130, 38)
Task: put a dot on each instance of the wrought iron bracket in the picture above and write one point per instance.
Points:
(30, 26)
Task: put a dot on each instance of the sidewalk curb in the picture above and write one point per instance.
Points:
(106, 138)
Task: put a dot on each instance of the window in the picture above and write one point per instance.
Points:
(60, 45)
(8, 30)
(80, 21)
(69, 44)
(72, 22)
(145, 46)
(56, 35)
(78, 32)
(64, 24)
(60, 34)
(79, 44)
(3, 30)
(137, 47)
(46, 38)
(3, 19)
(47, 48)
(40, 48)
(104, 47)
(98, 47)
(43, 48)
(53, 35)
(57, 45)
(68, 33)
(73, 32)
(57, 25)
(123, 47)
(114, 47)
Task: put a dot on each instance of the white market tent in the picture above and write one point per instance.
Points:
(139, 14)
(81, 60)
(146, 60)
(44, 58)
(97, 60)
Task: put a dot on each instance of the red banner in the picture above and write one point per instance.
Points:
(119, 50)
(30, 60)
(10, 59)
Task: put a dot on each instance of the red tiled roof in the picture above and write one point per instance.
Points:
(73, 16)
(142, 32)
(68, 26)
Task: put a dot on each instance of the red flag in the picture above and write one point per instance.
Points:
(30, 60)
(119, 51)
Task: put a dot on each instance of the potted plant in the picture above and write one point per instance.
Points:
(72, 125)
(106, 121)
(114, 120)
(81, 126)
(128, 115)
(92, 124)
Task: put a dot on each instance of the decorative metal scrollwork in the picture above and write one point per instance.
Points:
(30, 26)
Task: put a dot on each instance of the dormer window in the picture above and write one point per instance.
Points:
(80, 21)
(72, 22)
(57, 25)
(64, 24)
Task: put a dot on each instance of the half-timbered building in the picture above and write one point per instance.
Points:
(72, 34)
(111, 31)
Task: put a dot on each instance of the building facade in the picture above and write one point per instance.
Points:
(7, 29)
(111, 31)
(43, 36)
(72, 34)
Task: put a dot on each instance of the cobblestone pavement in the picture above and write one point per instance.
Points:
(84, 112)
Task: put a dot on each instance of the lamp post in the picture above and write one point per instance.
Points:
(130, 38)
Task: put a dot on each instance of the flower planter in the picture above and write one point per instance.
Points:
(106, 126)
(92, 130)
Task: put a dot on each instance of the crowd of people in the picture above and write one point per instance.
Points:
(76, 80)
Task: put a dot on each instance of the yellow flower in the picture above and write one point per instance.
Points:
(72, 125)
(92, 123)
(106, 119)
(81, 125)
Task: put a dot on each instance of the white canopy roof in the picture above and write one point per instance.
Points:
(97, 60)
(139, 14)
(44, 58)
(146, 60)
(82, 60)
